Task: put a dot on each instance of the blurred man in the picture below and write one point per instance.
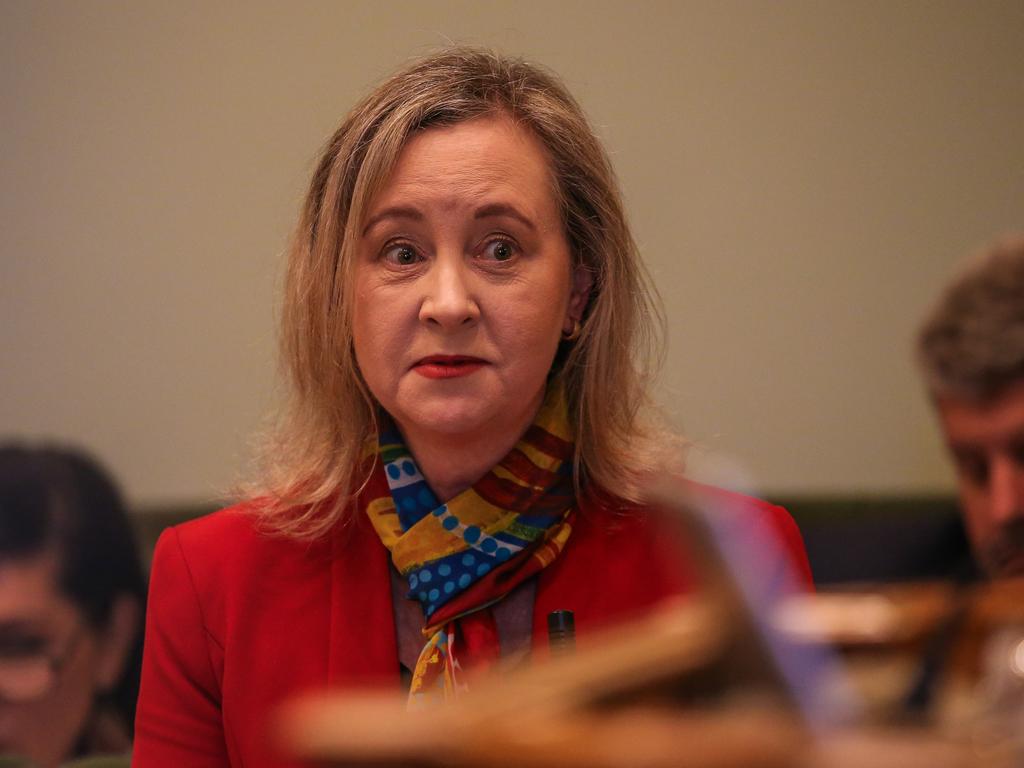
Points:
(971, 352)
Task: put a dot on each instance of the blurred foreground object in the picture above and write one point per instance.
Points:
(639, 696)
(748, 673)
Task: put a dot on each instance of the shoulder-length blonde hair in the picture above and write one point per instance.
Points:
(311, 462)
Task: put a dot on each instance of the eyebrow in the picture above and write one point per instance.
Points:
(393, 212)
(414, 214)
(503, 209)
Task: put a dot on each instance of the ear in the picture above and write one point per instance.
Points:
(116, 641)
(582, 282)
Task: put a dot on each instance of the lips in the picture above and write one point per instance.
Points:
(448, 366)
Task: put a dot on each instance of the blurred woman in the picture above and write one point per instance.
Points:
(468, 332)
(71, 597)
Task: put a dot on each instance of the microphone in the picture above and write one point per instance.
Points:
(561, 633)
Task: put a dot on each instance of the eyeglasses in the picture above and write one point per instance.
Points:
(28, 671)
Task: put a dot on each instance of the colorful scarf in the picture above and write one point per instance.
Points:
(462, 556)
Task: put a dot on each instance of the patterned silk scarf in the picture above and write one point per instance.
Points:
(462, 556)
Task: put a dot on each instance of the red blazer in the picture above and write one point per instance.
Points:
(239, 621)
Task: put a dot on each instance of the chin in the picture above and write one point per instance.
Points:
(464, 410)
(463, 415)
(453, 419)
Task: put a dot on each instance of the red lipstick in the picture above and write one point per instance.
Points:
(448, 366)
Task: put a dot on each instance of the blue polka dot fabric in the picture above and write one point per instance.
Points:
(414, 501)
(464, 554)
(476, 552)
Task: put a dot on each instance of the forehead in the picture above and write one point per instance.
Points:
(463, 164)
(988, 423)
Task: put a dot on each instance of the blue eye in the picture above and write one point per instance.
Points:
(499, 250)
(401, 255)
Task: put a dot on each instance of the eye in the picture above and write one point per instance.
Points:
(972, 466)
(499, 249)
(400, 255)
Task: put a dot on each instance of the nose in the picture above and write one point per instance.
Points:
(1006, 488)
(449, 303)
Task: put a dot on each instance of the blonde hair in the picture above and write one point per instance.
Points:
(971, 345)
(311, 463)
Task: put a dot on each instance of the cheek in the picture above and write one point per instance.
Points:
(380, 341)
(977, 518)
(375, 332)
(371, 352)
(554, 311)
(363, 319)
(533, 330)
(365, 335)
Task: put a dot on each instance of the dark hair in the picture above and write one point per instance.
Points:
(60, 500)
(971, 345)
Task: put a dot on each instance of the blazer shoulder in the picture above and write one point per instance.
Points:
(605, 511)
(778, 516)
(233, 544)
(237, 523)
(601, 507)
(776, 519)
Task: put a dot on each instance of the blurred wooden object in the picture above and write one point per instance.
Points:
(900, 618)
(718, 681)
(605, 706)
(337, 732)
(890, 748)
(375, 727)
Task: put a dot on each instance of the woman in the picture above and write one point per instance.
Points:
(466, 328)
(71, 596)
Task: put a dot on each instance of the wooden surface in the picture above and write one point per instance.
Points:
(557, 713)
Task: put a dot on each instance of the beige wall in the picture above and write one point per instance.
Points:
(801, 176)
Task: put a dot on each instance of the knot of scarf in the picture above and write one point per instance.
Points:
(462, 556)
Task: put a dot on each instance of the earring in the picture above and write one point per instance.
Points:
(575, 334)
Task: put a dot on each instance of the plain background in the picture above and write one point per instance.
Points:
(801, 176)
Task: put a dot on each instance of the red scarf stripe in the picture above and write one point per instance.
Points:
(547, 551)
(462, 635)
(507, 494)
(550, 444)
(520, 465)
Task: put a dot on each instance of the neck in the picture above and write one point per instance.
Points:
(452, 463)
(451, 466)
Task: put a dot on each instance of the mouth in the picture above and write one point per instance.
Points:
(447, 366)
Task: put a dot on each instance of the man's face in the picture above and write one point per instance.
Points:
(986, 440)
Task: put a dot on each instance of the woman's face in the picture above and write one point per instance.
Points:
(464, 282)
(51, 664)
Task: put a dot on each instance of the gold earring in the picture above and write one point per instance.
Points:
(575, 334)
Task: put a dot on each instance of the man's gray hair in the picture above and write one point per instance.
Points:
(971, 345)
